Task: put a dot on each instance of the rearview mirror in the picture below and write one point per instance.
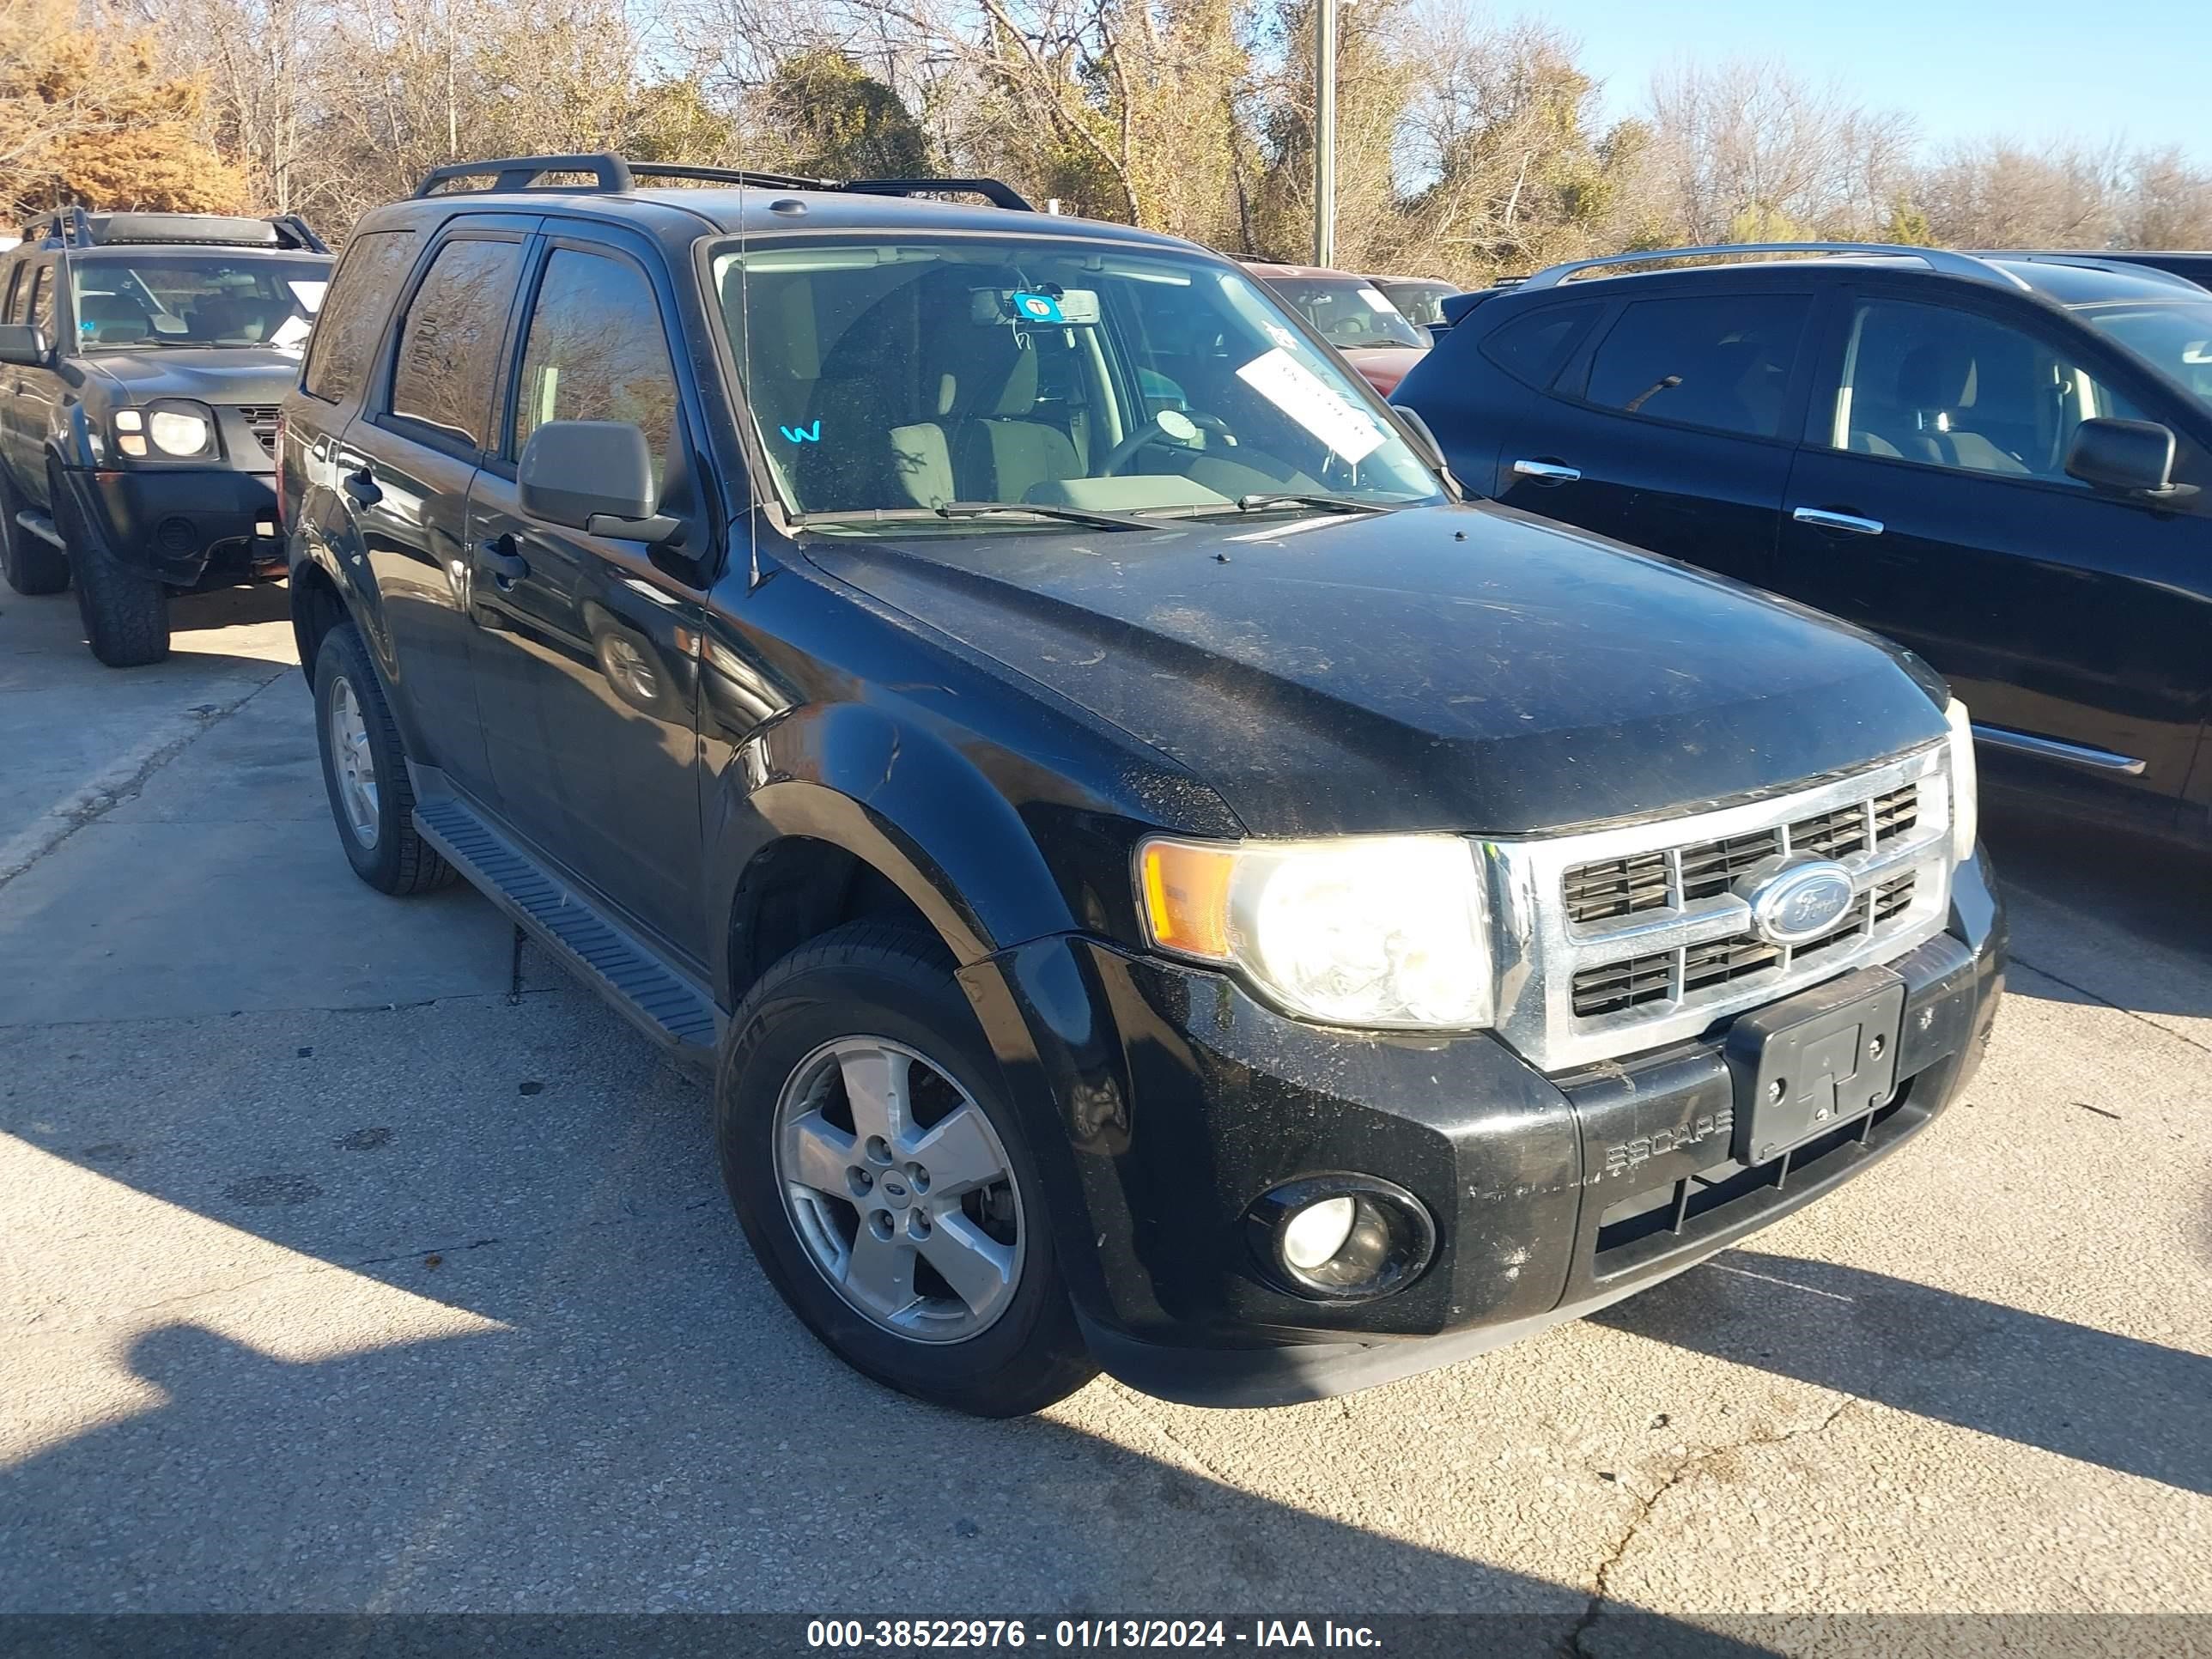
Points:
(2132, 457)
(24, 345)
(594, 475)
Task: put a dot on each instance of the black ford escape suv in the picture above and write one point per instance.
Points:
(1157, 882)
(2000, 460)
(142, 359)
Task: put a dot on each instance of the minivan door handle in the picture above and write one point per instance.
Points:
(361, 485)
(1546, 472)
(1849, 523)
(507, 566)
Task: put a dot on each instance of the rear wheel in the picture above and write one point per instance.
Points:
(125, 613)
(365, 772)
(32, 564)
(884, 1181)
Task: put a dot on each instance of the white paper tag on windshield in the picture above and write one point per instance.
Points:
(291, 335)
(1375, 300)
(1308, 399)
(310, 293)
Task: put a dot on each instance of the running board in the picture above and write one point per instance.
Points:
(41, 527)
(668, 1006)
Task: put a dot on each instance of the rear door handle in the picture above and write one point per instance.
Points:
(1820, 519)
(507, 566)
(361, 485)
(1546, 472)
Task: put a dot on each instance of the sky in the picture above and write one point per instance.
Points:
(2031, 69)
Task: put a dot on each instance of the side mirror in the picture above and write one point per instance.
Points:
(2134, 457)
(594, 475)
(25, 346)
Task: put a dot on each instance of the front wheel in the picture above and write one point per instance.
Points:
(125, 613)
(884, 1181)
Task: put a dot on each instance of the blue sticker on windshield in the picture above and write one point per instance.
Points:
(1037, 307)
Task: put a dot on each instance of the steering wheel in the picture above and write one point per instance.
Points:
(1169, 425)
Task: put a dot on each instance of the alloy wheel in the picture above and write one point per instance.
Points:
(353, 761)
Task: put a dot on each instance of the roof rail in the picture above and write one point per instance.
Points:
(72, 227)
(1941, 259)
(65, 227)
(612, 174)
(2114, 262)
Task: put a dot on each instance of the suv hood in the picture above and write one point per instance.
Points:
(1456, 668)
(210, 375)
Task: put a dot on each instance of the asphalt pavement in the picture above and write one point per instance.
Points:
(350, 1262)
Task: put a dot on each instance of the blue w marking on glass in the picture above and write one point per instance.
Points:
(802, 435)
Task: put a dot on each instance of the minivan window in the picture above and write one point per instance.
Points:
(1722, 360)
(1956, 389)
(1532, 347)
(902, 377)
(596, 351)
(450, 337)
(360, 300)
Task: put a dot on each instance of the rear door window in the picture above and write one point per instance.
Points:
(1532, 346)
(360, 299)
(450, 339)
(1722, 360)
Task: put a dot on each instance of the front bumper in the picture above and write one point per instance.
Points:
(1166, 1100)
(185, 524)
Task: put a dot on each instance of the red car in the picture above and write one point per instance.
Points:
(1351, 315)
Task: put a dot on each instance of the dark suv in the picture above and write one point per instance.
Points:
(2000, 460)
(142, 359)
(1155, 881)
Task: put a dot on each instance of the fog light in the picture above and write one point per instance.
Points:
(1340, 1238)
(1317, 1232)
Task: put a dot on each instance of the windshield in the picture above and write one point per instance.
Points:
(1346, 311)
(126, 303)
(2172, 335)
(907, 378)
(1419, 302)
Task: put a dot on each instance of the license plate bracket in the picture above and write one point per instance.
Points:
(1810, 1063)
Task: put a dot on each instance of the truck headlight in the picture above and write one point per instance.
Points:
(179, 428)
(1966, 808)
(1381, 931)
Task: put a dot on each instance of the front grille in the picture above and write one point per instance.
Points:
(262, 419)
(1615, 941)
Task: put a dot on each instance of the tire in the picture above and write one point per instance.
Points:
(376, 825)
(126, 613)
(858, 992)
(32, 567)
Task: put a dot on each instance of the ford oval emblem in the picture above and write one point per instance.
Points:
(1802, 902)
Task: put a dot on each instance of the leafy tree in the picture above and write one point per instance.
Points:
(833, 120)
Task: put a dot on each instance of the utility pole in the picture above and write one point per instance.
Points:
(1325, 132)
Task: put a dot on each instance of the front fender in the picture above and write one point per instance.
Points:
(897, 796)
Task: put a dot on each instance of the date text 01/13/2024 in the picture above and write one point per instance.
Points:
(837, 1634)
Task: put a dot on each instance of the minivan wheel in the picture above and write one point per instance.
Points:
(31, 564)
(884, 1181)
(125, 613)
(365, 772)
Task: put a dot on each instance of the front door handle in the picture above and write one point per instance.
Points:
(507, 566)
(1849, 523)
(361, 485)
(1546, 472)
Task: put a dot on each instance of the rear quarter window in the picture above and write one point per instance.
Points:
(352, 320)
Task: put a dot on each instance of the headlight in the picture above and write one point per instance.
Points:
(179, 428)
(1965, 811)
(1384, 931)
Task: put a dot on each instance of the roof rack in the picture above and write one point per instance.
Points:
(72, 227)
(1943, 260)
(611, 174)
(2086, 261)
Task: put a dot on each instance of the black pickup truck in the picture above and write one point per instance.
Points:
(1158, 881)
(142, 359)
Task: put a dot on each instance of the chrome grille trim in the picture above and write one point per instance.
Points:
(1896, 817)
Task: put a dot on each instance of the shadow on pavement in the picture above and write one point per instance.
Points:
(2118, 1402)
(231, 607)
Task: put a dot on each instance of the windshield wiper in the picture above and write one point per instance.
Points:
(1071, 514)
(1327, 503)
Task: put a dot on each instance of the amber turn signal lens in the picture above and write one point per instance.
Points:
(1186, 897)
